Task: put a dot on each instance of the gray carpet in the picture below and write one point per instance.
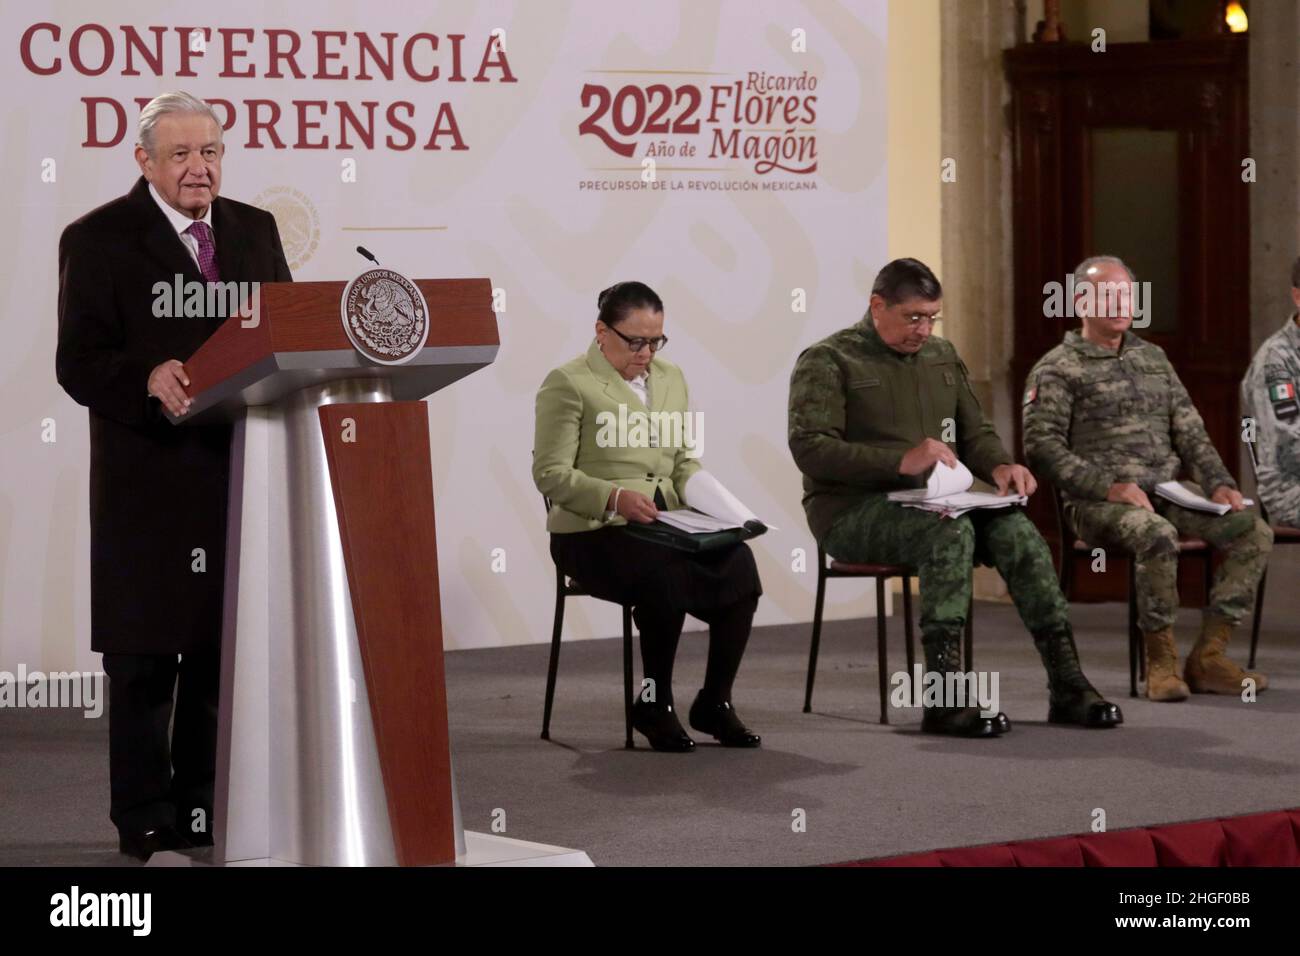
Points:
(865, 790)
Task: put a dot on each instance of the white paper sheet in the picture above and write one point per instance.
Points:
(1184, 497)
(943, 480)
(685, 519)
(947, 492)
(709, 507)
(705, 493)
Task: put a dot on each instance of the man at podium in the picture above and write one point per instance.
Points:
(158, 493)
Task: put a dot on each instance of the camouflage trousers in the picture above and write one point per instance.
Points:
(1243, 540)
(945, 550)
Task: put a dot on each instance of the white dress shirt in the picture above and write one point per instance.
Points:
(640, 387)
(180, 222)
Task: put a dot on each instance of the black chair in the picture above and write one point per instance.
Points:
(881, 573)
(1137, 662)
(565, 588)
(1282, 534)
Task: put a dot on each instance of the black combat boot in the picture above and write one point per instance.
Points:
(1072, 699)
(942, 656)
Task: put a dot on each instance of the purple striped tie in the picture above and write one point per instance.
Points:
(202, 234)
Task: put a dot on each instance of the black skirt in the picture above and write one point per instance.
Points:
(616, 566)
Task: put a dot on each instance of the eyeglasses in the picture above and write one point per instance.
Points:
(916, 319)
(638, 343)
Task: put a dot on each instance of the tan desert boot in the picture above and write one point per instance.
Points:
(1162, 666)
(1209, 670)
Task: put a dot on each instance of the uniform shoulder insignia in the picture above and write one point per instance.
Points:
(1283, 397)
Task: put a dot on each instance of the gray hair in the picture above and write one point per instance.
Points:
(177, 101)
(1081, 270)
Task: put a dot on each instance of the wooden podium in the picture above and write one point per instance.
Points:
(333, 744)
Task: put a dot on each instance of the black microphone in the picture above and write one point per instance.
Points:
(368, 254)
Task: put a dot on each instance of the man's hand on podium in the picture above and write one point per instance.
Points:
(167, 384)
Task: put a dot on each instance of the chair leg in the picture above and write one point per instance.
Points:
(1209, 574)
(881, 650)
(970, 635)
(1259, 616)
(816, 637)
(907, 625)
(551, 671)
(627, 676)
(1136, 657)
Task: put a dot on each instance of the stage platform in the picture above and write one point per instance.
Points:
(865, 790)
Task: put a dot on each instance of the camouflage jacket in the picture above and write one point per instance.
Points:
(1269, 395)
(1095, 416)
(856, 406)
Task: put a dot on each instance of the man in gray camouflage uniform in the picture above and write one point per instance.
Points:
(1269, 397)
(1106, 419)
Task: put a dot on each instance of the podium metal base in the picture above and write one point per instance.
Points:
(301, 774)
(481, 849)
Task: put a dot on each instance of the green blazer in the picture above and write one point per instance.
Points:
(577, 455)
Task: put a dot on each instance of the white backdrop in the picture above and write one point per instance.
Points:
(510, 205)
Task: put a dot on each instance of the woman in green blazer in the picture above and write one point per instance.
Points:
(601, 463)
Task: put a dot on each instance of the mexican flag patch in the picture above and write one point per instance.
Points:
(1282, 397)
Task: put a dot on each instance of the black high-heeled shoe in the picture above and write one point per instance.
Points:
(659, 724)
(720, 721)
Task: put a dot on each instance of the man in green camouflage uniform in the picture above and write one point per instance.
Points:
(1106, 418)
(872, 409)
(1269, 398)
